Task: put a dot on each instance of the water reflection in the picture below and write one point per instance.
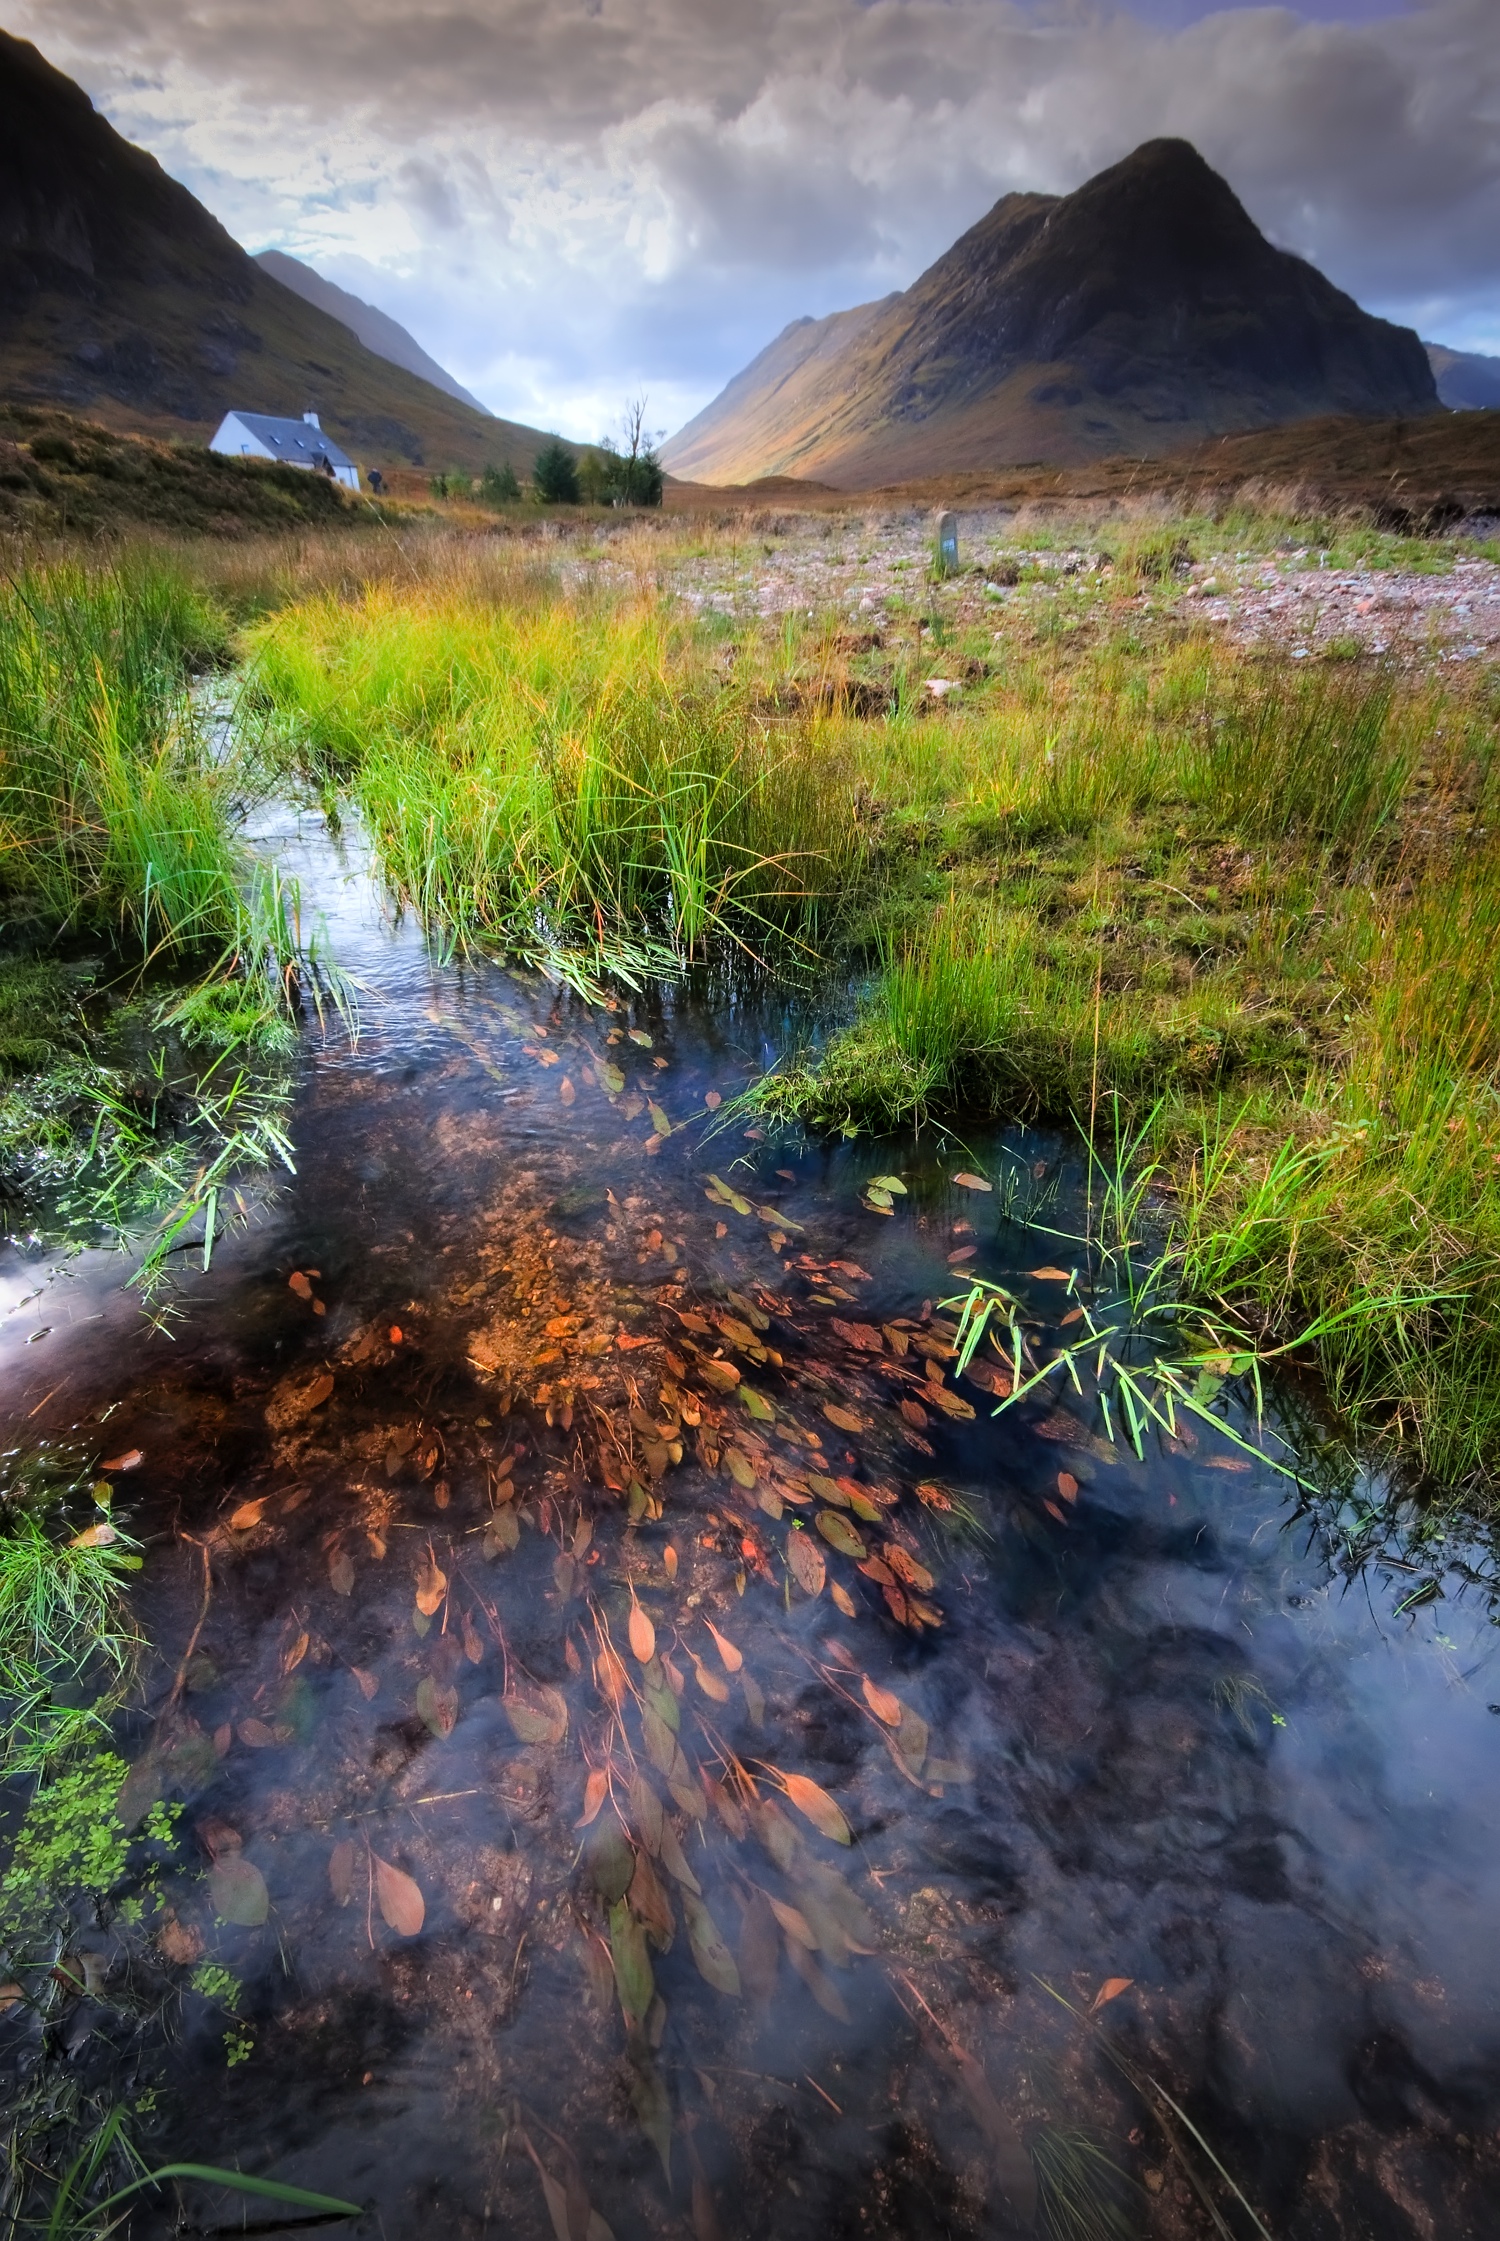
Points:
(597, 1535)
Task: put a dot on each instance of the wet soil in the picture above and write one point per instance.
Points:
(658, 1752)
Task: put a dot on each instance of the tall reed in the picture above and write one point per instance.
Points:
(556, 768)
(112, 813)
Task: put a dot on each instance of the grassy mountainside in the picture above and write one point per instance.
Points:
(123, 299)
(1132, 316)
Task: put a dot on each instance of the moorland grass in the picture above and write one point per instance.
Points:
(541, 769)
(112, 815)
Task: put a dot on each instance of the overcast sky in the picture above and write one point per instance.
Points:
(572, 201)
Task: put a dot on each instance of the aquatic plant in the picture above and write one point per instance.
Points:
(68, 1645)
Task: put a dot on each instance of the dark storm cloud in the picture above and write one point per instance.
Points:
(566, 198)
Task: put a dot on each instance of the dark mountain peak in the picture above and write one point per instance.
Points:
(123, 298)
(1141, 312)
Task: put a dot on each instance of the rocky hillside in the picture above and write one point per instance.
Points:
(122, 298)
(1138, 315)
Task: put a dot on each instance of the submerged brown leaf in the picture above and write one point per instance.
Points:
(815, 1805)
(341, 1871)
(537, 1713)
(642, 1635)
(714, 1959)
(882, 1703)
(400, 1899)
(238, 1890)
(805, 1562)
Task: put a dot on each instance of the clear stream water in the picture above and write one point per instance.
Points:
(1156, 1725)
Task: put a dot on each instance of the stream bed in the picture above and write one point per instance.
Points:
(659, 1754)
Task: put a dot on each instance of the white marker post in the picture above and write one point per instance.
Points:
(947, 544)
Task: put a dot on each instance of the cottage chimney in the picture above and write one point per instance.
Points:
(312, 420)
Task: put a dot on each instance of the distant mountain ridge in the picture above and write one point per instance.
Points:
(375, 328)
(1466, 380)
(1139, 314)
(122, 298)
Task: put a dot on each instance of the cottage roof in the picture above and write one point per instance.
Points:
(296, 441)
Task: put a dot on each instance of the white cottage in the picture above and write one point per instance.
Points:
(296, 443)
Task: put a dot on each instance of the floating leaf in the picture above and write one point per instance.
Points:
(1111, 1989)
(537, 1714)
(432, 1586)
(968, 1182)
(912, 1739)
(646, 1812)
(502, 1532)
(642, 1635)
(795, 1924)
(609, 1672)
(611, 1862)
(864, 1336)
(341, 1871)
(400, 1899)
(639, 1035)
(906, 1568)
(659, 1120)
(887, 1183)
(714, 1959)
(805, 1562)
(248, 1514)
(653, 2108)
(131, 1460)
(595, 1791)
(839, 1533)
(649, 1903)
(1051, 1275)
(437, 1706)
(712, 1100)
(842, 1598)
(103, 1535)
(844, 1418)
(633, 1978)
(815, 1805)
(951, 1403)
(660, 1740)
(238, 1890)
(817, 1980)
(300, 1283)
(731, 1658)
(722, 1376)
(1067, 1486)
(882, 1703)
(756, 1405)
(609, 1076)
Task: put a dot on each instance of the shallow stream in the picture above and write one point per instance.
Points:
(554, 1554)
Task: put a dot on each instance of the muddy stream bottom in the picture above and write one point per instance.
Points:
(659, 1755)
